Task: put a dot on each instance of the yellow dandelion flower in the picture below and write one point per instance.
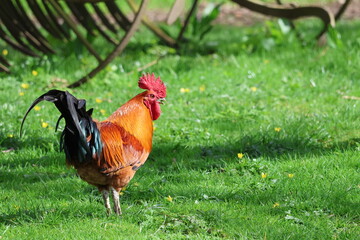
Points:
(25, 85)
(290, 175)
(277, 129)
(102, 111)
(169, 198)
(266, 61)
(21, 93)
(37, 108)
(263, 175)
(10, 135)
(184, 90)
(202, 88)
(44, 124)
(5, 52)
(240, 155)
(98, 100)
(276, 205)
(34, 73)
(121, 193)
(253, 89)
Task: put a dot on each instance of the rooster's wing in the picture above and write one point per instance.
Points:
(120, 149)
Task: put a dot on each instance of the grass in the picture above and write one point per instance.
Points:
(285, 108)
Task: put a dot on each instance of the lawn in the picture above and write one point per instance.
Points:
(259, 139)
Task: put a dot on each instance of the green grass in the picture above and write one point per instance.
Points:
(299, 89)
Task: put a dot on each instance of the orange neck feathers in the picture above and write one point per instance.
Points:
(135, 118)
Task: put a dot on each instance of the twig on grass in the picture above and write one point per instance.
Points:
(351, 97)
(152, 63)
(8, 150)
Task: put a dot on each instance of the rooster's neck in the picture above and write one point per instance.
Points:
(135, 118)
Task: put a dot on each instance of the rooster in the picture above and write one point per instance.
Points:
(107, 154)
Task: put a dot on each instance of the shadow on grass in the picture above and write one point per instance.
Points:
(11, 142)
(166, 158)
(10, 180)
(165, 155)
(39, 213)
(213, 156)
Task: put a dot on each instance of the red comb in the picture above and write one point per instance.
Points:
(149, 82)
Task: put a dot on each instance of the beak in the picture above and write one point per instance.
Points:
(161, 100)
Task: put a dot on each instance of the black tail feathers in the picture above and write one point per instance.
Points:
(80, 139)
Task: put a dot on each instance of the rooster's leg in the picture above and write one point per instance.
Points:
(105, 194)
(115, 195)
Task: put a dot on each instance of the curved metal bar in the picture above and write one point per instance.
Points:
(80, 17)
(342, 9)
(15, 33)
(155, 29)
(3, 68)
(16, 25)
(54, 20)
(72, 25)
(27, 27)
(28, 24)
(43, 20)
(118, 15)
(118, 50)
(20, 46)
(103, 18)
(4, 64)
(187, 20)
(337, 16)
(290, 13)
(86, 19)
(4, 61)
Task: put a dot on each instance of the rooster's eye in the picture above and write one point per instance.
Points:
(152, 96)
